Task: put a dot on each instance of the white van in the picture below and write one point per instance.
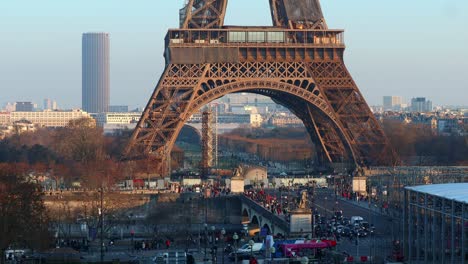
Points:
(356, 220)
(246, 248)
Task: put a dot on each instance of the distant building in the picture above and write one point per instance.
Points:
(5, 118)
(117, 118)
(254, 120)
(17, 127)
(448, 126)
(111, 129)
(48, 118)
(376, 109)
(392, 103)
(50, 104)
(420, 104)
(10, 107)
(286, 121)
(24, 107)
(95, 72)
(118, 108)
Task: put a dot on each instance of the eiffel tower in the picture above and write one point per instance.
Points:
(298, 62)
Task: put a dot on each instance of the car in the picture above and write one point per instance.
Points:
(356, 219)
(365, 225)
(346, 232)
(338, 215)
(345, 221)
(339, 229)
(362, 233)
(245, 251)
(170, 256)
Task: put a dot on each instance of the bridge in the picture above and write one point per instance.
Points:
(256, 217)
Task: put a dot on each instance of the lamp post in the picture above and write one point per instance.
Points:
(223, 232)
(251, 244)
(101, 222)
(235, 237)
(212, 235)
(213, 240)
(206, 238)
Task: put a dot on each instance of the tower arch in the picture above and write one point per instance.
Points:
(298, 63)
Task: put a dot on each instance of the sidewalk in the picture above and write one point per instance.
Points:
(373, 207)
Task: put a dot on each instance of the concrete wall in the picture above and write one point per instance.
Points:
(192, 209)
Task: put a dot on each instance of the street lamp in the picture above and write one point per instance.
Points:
(101, 221)
(206, 238)
(223, 232)
(251, 244)
(213, 235)
(235, 237)
(213, 248)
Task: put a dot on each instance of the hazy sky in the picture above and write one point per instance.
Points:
(399, 47)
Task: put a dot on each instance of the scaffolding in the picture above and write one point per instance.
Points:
(207, 143)
(385, 185)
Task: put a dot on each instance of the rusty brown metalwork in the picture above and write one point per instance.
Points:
(297, 14)
(203, 14)
(207, 142)
(302, 69)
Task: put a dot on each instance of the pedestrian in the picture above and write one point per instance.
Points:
(168, 243)
(253, 260)
(190, 259)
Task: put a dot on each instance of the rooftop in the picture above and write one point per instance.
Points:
(452, 191)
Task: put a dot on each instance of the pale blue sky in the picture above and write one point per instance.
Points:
(399, 47)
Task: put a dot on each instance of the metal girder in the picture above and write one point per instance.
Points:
(203, 14)
(365, 133)
(302, 69)
(298, 14)
(301, 14)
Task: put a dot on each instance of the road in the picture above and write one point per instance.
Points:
(386, 228)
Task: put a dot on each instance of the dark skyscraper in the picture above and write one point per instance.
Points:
(95, 74)
(24, 107)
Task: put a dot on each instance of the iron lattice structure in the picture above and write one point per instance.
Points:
(298, 63)
(207, 143)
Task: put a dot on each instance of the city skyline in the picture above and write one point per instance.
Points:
(379, 61)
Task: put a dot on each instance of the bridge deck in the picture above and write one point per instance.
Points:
(265, 213)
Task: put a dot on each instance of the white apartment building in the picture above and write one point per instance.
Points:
(254, 120)
(46, 118)
(4, 118)
(117, 118)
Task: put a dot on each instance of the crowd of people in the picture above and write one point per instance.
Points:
(278, 204)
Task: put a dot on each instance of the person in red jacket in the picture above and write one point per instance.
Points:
(253, 260)
(168, 243)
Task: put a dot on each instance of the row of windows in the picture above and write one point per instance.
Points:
(256, 36)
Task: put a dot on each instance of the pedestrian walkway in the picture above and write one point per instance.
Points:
(373, 207)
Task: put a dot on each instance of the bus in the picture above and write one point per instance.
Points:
(306, 249)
